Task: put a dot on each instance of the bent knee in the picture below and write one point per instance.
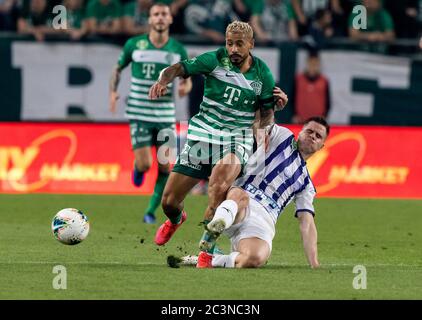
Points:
(142, 165)
(166, 200)
(218, 189)
(239, 195)
(169, 202)
(253, 261)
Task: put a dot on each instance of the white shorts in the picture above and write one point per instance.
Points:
(257, 224)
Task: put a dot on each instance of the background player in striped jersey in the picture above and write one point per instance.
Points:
(238, 86)
(151, 122)
(257, 199)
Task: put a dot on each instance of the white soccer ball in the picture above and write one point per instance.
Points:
(70, 226)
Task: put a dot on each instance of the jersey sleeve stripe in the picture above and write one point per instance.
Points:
(304, 210)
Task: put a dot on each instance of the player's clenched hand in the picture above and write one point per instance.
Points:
(114, 96)
(280, 98)
(157, 90)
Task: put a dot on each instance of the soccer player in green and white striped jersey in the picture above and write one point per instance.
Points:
(151, 122)
(239, 90)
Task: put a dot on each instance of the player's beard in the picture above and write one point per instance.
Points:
(160, 28)
(238, 61)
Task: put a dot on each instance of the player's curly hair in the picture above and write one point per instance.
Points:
(240, 27)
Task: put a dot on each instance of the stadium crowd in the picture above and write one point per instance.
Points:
(272, 20)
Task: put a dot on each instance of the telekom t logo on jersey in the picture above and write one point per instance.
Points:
(232, 94)
(148, 69)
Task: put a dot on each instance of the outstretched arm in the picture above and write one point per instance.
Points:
(167, 75)
(309, 237)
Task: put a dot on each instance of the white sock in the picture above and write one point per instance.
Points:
(225, 260)
(227, 211)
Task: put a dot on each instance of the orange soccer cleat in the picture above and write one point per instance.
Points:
(167, 229)
(204, 260)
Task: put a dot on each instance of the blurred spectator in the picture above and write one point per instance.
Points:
(135, 17)
(103, 17)
(251, 11)
(278, 20)
(312, 92)
(341, 10)
(76, 25)
(6, 14)
(305, 10)
(177, 9)
(380, 26)
(37, 20)
(321, 28)
(208, 18)
(405, 17)
(419, 11)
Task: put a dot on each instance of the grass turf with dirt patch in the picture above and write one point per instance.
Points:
(119, 259)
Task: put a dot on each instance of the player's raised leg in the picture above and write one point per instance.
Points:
(230, 211)
(222, 177)
(175, 191)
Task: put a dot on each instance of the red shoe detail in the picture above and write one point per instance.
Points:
(167, 229)
(204, 260)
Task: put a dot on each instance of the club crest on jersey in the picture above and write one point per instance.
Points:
(294, 144)
(191, 61)
(257, 87)
(142, 44)
(226, 63)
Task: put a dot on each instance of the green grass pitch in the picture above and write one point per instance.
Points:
(119, 260)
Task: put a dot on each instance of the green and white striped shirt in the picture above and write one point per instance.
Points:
(227, 111)
(147, 62)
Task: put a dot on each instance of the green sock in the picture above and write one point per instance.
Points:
(205, 235)
(211, 250)
(210, 239)
(155, 201)
(177, 219)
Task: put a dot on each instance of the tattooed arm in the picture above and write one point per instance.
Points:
(266, 117)
(114, 83)
(167, 75)
(115, 78)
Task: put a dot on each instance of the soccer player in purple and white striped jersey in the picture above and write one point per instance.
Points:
(276, 174)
